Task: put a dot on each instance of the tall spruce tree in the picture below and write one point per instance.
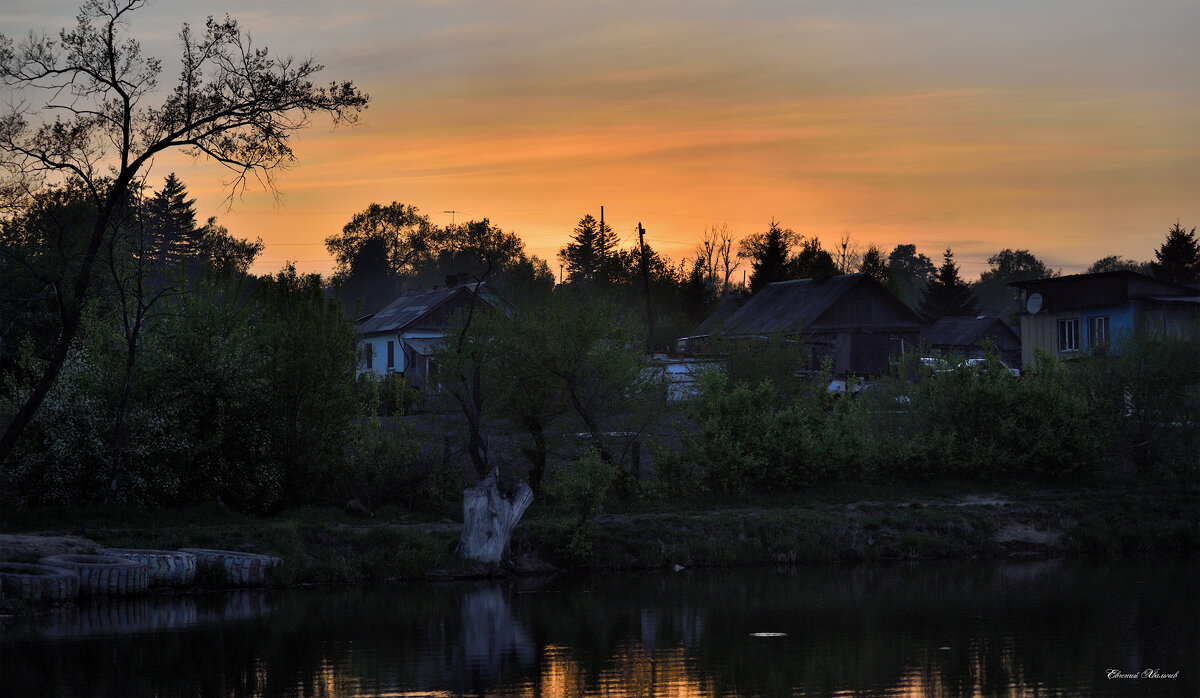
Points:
(169, 217)
(769, 253)
(1179, 256)
(947, 293)
(590, 254)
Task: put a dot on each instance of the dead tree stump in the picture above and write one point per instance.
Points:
(489, 517)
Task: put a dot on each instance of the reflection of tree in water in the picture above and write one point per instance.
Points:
(865, 630)
(491, 640)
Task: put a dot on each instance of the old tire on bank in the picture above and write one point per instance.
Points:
(104, 575)
(167, 567)
(38, 583)
(240, 569)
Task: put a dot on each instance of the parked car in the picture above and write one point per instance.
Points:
(941, 364)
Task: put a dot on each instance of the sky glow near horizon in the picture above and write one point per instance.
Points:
(1071, 129)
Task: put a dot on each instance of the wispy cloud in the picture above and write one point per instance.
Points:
(1067, 128)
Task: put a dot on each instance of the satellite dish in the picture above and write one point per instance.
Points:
(1034, 304)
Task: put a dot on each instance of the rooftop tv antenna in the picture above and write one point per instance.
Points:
(451, 217)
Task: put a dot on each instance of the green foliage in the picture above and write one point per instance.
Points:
(396, 395)
(982, 422)
(41, 248)
(747, 438)
(566, 365)
(751, 360)
(1144, 388)
(244, 395)
(581, 486)
(975, 422)
(67, 446)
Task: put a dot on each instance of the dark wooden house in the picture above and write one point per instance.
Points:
(851, 319)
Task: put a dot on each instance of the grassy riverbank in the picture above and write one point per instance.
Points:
(835, 523)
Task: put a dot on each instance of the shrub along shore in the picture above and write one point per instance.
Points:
(863, 522)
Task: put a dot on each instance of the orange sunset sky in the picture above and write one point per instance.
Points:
(1068, 128)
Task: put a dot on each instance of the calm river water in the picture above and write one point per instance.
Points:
(1039, 628)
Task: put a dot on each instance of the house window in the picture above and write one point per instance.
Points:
(391, 355)
(1097, 331)
(1068, 335)
(370, 356)
(895, 347)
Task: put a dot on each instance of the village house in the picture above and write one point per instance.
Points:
(851, 319)
(965, 336)
(1069, 316)
(403, 337)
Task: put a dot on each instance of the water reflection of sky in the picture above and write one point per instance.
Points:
(928, 629)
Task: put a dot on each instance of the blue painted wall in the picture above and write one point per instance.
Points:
(1120, 322)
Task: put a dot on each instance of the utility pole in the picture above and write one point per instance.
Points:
(451, 217)
(646, 286)
(601, 265)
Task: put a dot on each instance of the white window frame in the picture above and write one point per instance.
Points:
(1102, 322)
(1068, 335)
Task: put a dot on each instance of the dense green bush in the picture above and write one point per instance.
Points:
(975, 422)
(65, 455)
(746, 437)
(396, 396)
(1145, 391)
(243, 393)
(982, 422)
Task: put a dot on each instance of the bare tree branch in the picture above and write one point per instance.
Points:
(234, 104)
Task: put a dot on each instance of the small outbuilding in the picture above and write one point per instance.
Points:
(965, 336)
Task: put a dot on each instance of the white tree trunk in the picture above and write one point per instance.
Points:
(489, 518)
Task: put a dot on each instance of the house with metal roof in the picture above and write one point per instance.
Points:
(1069, 316)
(404, 335)
(851, 319)
(964, 337)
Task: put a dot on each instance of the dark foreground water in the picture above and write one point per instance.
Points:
(1042, 628)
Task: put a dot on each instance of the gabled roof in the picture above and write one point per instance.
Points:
(727, 305)
(963, 331)
(411, 307)
(794, 306)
